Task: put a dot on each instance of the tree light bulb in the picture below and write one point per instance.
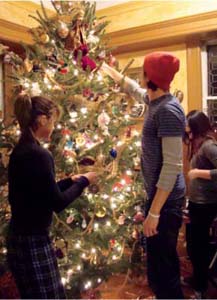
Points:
(78, 267)
(76, 72)
(108, 223)
(77, 245)
(129, 172)
(84, 110)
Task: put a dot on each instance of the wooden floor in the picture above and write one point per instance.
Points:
(136, 287)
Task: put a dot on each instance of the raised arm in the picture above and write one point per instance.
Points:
(130, 86)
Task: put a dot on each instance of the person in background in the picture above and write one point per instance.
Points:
(179, 95)
(202, 195)
(33, 196)
(161, 163)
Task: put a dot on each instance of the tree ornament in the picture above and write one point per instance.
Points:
(101, 212)
(136, 161)
(87, 92)
(129, 132)
(87, 161)
(112, 243)
(86, 62)
(36, 68)
(80, 140)
(117, 187)
(92, 39)
(103, 120)
(59, 253)
(139, 217)
(61, 247)
(64, 70)
(93, 188)
(121, 219)
(28, 65)
(112, 60)
(113, 153)
(84, 223)
(44, 38)
(7, 58)
(127, 179)
(62, 30)
(70, 219)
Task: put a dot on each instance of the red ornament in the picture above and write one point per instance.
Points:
(139, 217)
(127, 179)
(117, 187)
(83, 49)
(112, 243)
(87, 61)
(65, 131)
(128, 132)
(64, 71)
(61, 62)
(87, 92)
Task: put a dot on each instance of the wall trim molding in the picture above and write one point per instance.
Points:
(163, 33)
(13, 32)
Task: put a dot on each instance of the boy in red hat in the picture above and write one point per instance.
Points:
(161, 163)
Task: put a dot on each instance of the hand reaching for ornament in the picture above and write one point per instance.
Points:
(75, 177)
(91, 176)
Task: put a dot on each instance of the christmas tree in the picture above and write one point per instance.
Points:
(101, 232)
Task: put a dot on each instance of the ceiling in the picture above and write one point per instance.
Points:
(100, 4)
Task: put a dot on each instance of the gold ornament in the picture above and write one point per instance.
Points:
(101, 212)
(62, 30)
(28, 65)
(44, 38)
(80, 140)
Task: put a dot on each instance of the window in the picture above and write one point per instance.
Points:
(212, 70)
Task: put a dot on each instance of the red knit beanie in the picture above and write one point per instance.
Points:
(161, 68)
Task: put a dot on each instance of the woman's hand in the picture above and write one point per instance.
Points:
(91, 176)
(192, 174)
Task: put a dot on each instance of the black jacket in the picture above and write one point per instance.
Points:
(33, 192)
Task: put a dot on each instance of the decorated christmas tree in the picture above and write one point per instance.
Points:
(101, 232)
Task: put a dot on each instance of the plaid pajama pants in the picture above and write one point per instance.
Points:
(33, 264)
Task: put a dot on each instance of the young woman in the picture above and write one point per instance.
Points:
(34, 196)
(202, 195)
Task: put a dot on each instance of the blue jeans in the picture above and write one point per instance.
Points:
(163, 268)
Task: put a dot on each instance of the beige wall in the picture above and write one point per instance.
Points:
(139, 13)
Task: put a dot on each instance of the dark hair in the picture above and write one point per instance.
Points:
(27, 109)
(152, 86)
(200, 128)
(198, 123)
